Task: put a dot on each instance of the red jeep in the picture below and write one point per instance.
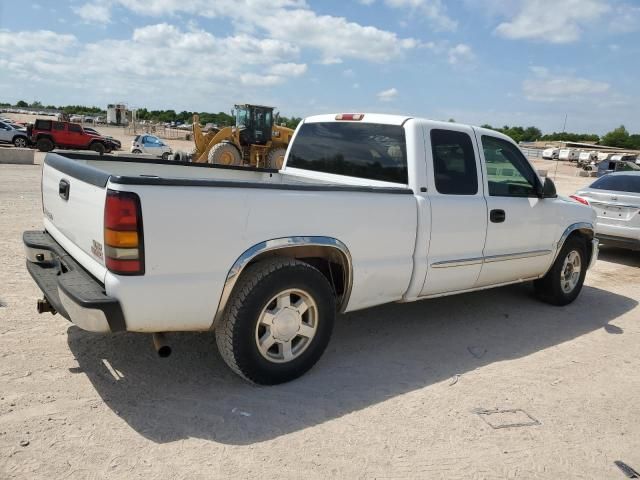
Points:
(50, 134)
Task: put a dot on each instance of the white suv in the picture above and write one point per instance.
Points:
(152, 145)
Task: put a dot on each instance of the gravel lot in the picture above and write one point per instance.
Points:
(403, 391)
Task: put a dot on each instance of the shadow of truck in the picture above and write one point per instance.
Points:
(374, 355)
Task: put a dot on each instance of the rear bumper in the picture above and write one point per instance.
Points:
(620, 242)
(73, 292)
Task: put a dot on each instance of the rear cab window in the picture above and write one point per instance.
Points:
(365, 150)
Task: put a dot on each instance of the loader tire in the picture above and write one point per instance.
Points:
(224, 154)
(275, 158)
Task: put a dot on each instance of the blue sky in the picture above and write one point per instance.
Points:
(524, 62)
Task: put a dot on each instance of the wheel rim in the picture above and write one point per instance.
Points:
(286, 326)
(570, 274)
(20, 143)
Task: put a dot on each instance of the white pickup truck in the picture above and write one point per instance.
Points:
(367, 209)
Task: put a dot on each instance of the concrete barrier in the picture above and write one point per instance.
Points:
(22, 156)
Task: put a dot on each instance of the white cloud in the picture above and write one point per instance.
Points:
(292, 22)
(288, 69)
(460, 54)
(366, 2)
(157, 59)
(36, 40)
(433, 10)
(387, 95)
(547, 87)
(95, 12)
(552, 20)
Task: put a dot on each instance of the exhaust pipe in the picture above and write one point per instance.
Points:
(161, 345)
(44, 306)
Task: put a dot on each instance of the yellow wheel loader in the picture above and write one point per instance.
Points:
(254, 141)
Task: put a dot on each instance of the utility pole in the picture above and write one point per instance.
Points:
(564, 127)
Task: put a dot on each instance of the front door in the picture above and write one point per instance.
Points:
(458, 210)
(522, 227)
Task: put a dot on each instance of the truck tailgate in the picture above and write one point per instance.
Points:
(74, 216)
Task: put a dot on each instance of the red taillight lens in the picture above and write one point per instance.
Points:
(350, 116)
(123, 240)
(579, 199)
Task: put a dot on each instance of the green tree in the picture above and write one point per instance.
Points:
(618, 137)
(22, 104)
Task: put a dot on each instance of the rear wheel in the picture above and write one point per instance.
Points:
(563, 282)
(275, 158)
(20, 142)
(224, 154)
(278, 321)
(97, 147)
(165, 156)
(44, 145)
(136, 151)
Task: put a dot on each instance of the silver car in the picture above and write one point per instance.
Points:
(9, 133)
(616, 200)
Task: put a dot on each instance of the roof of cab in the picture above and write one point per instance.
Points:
(367, 118)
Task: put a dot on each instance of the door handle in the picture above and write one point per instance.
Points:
(63, 189)
(497, 216)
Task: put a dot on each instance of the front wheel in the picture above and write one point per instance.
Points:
(136, 151)
(98, 148)
(563, 282)
(20, 142)
(165, 156)
(278, 321)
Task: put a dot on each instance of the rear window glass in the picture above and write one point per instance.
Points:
(618, 183)
(364, 150)
(58, 126)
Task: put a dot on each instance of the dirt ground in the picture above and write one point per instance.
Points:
(491, 384)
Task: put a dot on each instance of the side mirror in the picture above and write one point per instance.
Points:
(549, 189)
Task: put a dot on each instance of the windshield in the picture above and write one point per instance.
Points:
(242, 117)
(618, 183)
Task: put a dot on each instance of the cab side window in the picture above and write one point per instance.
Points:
(454, 163)
(74, 127)
(509, 174)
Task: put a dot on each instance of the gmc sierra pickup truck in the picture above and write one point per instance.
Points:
(367, 209)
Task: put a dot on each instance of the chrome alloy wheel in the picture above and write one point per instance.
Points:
(286, 326)
(570, 274)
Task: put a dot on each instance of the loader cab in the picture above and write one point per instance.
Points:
(255, 123)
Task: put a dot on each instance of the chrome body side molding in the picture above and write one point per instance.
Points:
(284, 244)
(490, 259)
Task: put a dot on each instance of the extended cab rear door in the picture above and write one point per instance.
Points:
(458, 208)
(522, 227)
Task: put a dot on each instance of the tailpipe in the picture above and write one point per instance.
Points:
(44, 306)
(161, 345)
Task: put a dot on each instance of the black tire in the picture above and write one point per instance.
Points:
(224, 153)
(44, 145)
(20, 142)
(165, 156)
(136, 151)
(550, 287)
(275, 158)
(237, 331)
(98, 148)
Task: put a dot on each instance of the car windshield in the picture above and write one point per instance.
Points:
(618, 183)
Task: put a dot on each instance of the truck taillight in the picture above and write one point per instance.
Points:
(123, 239)
(350, 116)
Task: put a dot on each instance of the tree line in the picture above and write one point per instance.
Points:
(618, 137)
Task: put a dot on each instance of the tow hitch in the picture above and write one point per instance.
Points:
(44, 306)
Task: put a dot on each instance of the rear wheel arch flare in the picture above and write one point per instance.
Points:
(329, 255)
